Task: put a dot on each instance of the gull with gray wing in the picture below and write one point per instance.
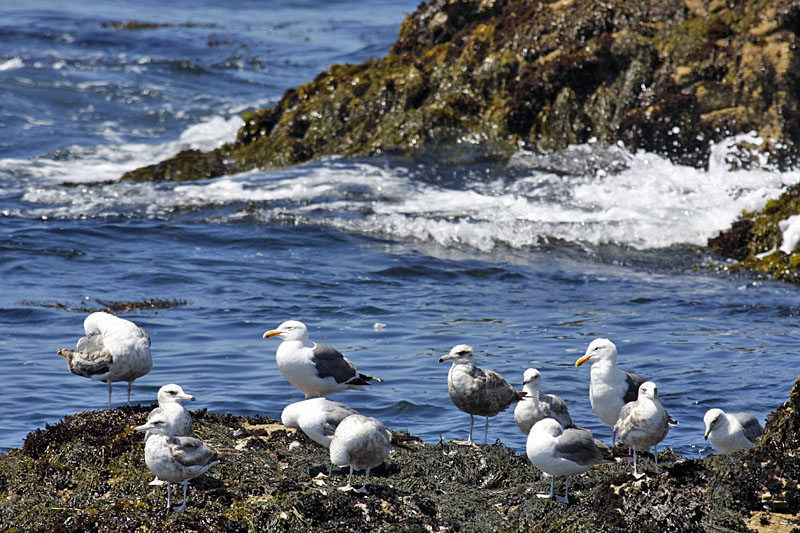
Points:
(362, 443)
(477, 391)
(536, 405)
(609, 388)
(316, 369)
(643, 423)
(730, 432)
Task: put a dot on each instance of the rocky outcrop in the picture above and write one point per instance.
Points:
(755, 239)
(87, 473)
(498, 75)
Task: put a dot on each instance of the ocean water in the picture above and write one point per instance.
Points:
(391, 260)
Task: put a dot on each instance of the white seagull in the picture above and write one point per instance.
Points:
(477, 391)
(610, 388)
(362, 443)
(536, 406)
(175, 459)
(318, 418)
(561, 452)
(731, 432)
(643, 423)
(315, 369)
(114, 349)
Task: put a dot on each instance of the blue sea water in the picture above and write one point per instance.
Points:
(392, 261)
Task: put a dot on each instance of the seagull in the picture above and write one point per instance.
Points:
(179, 421)
(315, 369)
(477, 391)
(643, 423)
(318, 418)
(175, 459)
(609, 388)
(536, 406)
(561, 452)
(360, 442)
(114, 349)
(170, 400)
(731, 432)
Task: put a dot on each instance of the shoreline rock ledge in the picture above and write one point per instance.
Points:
(668, 77)
(87, 473)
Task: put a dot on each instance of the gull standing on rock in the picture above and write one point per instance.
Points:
(315, 369)
(561, 452)
(643, 423)
(175, 459)
(318, 418)
(179, 421)
(731, 432)
(362, 443)
(477, 391)
(536, 406)
(610, 388)
(114, 349)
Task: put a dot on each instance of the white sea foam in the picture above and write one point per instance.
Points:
(11, 64)
(651, 203)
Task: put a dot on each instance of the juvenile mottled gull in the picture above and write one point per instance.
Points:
(537, 406)
(170, 404)
(561, 452)
(114, 349)
(731, 432)
(318, 418)
(179, 421)
(477, 391)
(175, 459)
(315, 369)
(643, 423)
(362, 443)
(610, 388)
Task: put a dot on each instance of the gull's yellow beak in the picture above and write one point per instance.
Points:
(707, 432)
(271, 333)
(582, 360)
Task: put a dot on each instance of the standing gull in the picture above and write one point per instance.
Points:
(477, 391)
(536, 405)
(315, 369)
(174, 459)
(318, 418)
(179, 421)
(643, 423)
(561, 452)
(610, 388)
(731, 432)
(360, 442)
(114, 349)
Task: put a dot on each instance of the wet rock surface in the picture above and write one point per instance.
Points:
(87, 472)
(496, 76)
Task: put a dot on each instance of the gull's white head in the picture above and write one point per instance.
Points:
(549, 426)
(291, 330)
(156, 424)
(712, 419)
(460, 354)
(172, 393)
(531, 378)
(599, 350)
(648, 389)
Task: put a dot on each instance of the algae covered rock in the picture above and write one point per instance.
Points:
(755, 239)
(669, 77)
(87, 472)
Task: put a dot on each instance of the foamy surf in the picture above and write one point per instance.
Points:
(596, 196)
